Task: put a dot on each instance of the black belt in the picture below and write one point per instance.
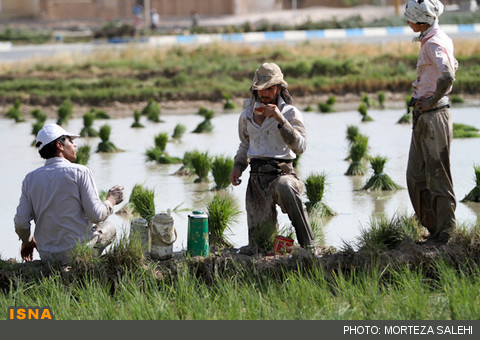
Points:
(267, 165)
(437, 108)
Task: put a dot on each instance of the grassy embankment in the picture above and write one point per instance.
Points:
(390, 276)
(213, 72)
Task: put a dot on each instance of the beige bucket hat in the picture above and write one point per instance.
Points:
(267, 75)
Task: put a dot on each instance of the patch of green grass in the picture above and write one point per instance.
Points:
(465, 131)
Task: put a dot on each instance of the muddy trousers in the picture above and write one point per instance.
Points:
(264, 192)
(429, 180)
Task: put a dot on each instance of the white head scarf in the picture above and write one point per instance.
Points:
(423, 11)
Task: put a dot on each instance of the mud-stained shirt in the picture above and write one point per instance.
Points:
(268, 140)
(62, 198)
(435, 58)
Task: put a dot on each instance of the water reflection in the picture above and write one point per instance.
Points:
(326, 152)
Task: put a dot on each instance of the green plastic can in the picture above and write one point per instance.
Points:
(197, 243)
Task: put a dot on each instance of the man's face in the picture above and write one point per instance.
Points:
(417, 27)
(269, 95)
(69, 150)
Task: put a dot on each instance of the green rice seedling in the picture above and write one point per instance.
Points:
(206, 125)
(83, 154)
(264, 235)
(369, 102)
(465, 131)
(154, 154)
(474, 194)
(99, 114)
(316, 217)
(357, 153)
(14, 112)
(381, 98)
(315, 184)
(39, 115)
(136, 116)
(84, 258)
(152, 111)
(161, 141)
(325, 108)
(36, 127)
(64, 112)
(456, 99)
(88, 130)
(221, 168)
(228, 102)
(405, 119)
(352, 133)
(202, 164)
(383, 234)
(380, 180)
(142, 201)
(158, 154)
(179, 131)
(106, 145)
(362, 108)
(332, 100)
(308, 108)
(126, 252)
(222, 212)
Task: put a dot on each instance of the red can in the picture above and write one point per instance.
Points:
(282, 245)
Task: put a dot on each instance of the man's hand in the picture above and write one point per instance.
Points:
(272, 111)
(26, 251)
(235, 176)
(423, 104)
(115, 194)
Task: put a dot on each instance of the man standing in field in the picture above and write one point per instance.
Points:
(429, 179)
(272, 134)
(62, 198)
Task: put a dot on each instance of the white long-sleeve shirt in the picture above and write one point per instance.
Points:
(62, 198)
(267, 140)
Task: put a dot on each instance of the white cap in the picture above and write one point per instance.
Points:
(49, 133)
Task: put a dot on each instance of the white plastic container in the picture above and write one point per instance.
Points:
(162, 236)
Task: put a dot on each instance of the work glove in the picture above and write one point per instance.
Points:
(116, 192)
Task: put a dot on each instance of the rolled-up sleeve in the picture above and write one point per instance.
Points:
(95, 210)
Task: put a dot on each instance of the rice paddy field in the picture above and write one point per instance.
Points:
(362, 274)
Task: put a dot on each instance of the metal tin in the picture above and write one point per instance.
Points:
(197, 242)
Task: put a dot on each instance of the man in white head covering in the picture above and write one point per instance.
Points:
(62, 198)
(429, 179)
(272, 135)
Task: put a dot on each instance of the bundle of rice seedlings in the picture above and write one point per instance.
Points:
(456, 99)
(152, 111)
(179, 131)
(136, 116)
(362, 108)
(187, 168)
(308, 108)
(142, 201)
(357, 153)
(316, 216)
(331, 100)
(369, 102)
(206, 125)
(83, 154)
(264, 235)
(158, 154)
(474, 194)
(39, 115)
(221, 168)
(126, 253)
(380, 180)
(381, 98)
(201, 163)
(15, 113)
(222, 212)
(464, 131)
(39, 123)
(106, 145)
(88, 130)
(325, 108)
(407, 117)
(228, 102)
(84, 259)
(352, 133)
(315, 188)
(64, 112)
(99, 114)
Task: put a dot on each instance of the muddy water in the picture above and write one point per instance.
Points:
(326, 152)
